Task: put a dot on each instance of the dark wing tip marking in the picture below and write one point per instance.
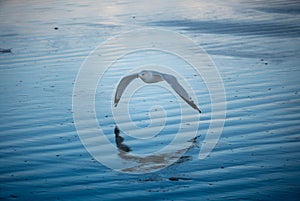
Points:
(173, 82)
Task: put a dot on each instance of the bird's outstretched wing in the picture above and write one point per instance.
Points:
(122, 86)
(171, 80)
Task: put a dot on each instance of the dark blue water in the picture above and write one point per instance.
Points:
(254, 44)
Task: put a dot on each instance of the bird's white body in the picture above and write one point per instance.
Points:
(154, 77)
(150, 76)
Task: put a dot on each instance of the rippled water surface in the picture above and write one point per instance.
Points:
(255, 46)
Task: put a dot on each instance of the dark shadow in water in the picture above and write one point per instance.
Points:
(5, 50)
(248, 28)
(150, 162)
(119, 141)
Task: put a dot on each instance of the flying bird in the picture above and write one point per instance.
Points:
(153, 77)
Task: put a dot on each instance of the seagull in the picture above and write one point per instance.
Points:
(153, 77)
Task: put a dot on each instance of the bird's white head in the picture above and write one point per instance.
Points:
(145, 75)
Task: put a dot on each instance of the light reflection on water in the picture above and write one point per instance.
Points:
(255, 48)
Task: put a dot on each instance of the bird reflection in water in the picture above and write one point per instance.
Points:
(150, 162)
(119, 141)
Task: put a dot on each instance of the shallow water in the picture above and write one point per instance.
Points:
(254, 44)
